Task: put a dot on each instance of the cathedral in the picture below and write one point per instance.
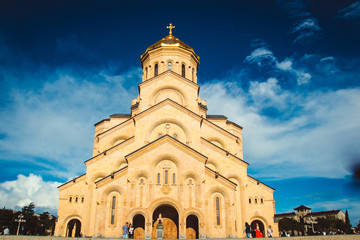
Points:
(168, 159)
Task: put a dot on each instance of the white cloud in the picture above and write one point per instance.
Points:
(309, 24)
(350, 12)
(261, 56)
(24, 190)
(285, 65)
(52, 126)
(314, 134)
(306, 27)
(268, 93)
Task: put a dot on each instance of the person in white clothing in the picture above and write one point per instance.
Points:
(269, 232)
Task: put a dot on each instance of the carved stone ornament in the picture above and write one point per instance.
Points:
(166, 190)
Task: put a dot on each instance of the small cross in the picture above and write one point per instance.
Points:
(170, 27)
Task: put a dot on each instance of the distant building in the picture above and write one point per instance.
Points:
(303, 213)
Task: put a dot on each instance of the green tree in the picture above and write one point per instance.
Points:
(7, 219)
(347, 222)
(31, 219)
(289, 224)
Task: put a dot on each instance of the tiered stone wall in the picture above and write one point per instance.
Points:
(328, 237)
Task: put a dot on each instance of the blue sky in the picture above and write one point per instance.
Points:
(287, 71)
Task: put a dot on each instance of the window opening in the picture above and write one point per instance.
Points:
(217, 211)
(156, 70)
(166, 176)
(113, 210)
(170, 66)
(183, 70)
(158, 178)
(173, 178)
(175, 136)
(70, 199)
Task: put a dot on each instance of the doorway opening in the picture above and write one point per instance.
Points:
(169, 218)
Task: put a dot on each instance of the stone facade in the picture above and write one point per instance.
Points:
(166, 157)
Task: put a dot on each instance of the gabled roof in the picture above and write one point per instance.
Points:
(323, 213)
(216, 116)
(179, 106)
(302, 207)
(285, 214)
(111, 174)
(165, 138)
(258, 182)
(104, 152)
(219, 175)
(227, 153)
(72, 180)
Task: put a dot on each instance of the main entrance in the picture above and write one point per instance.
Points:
(73, 228)
(257, 224)
(170, 220)
(139, 226)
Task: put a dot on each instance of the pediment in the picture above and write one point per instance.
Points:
(164, 143)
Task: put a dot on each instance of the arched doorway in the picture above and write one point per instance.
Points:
(139, 226)
(170, 219)
(73, 228)
(192, 227)
(257, 224)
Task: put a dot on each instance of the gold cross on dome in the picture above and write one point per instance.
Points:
(170, 27)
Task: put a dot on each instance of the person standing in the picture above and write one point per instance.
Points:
(6, 231)
(247, 230)
(125, 229)
(131, 231)
(269, 232)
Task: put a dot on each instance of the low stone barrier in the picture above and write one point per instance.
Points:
(327, 237)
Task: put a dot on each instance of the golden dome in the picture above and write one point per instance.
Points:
(170, 40)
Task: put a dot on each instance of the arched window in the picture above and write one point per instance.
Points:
(190, 181)
(175, 136)
(166, 176)
(70, 199)
(183, 70)
(146, 73)
(160, 135)
(250, 200)
(158, 178)
(262, 200)
(141, 180)
(255, 200)
(217, 203)
(82, 199)
(170, 66)
(173, 178)
(113, 204)
(156, 70)
(76, 199)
